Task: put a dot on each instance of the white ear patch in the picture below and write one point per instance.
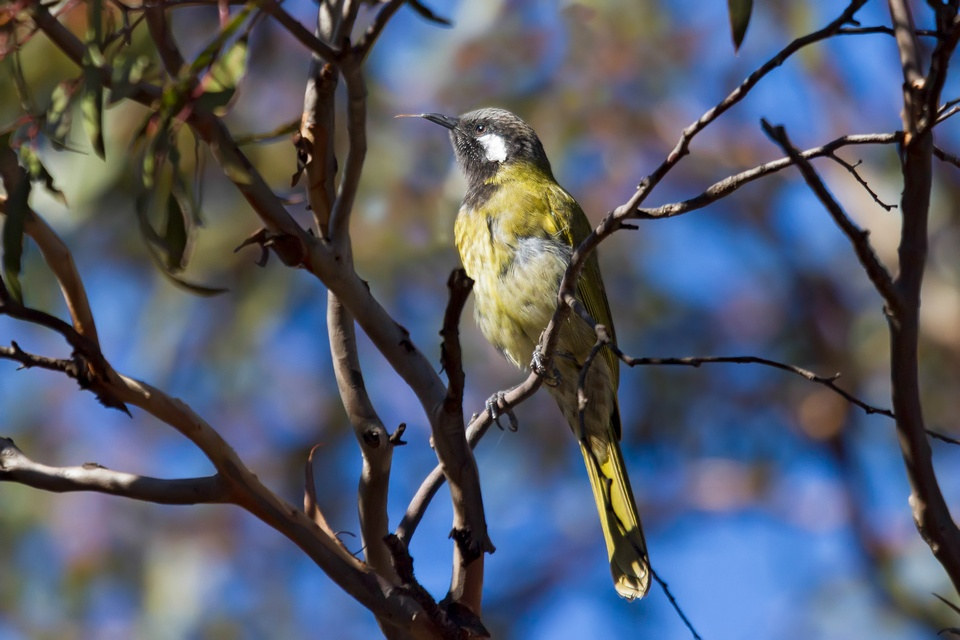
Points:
(494, 146)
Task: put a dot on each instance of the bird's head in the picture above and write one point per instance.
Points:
(488, 139)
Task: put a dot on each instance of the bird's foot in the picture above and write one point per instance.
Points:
(493, 405)
(539, 366)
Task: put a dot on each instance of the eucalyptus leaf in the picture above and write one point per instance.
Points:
(59, 116)
(739, 11)
(221, 81)
(31, 162)
(91, 102)
(16, 212)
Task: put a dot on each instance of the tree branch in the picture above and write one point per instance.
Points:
(469, 524)
(478, 427)
(298, 31)
(682, 147)
(17, 467)
(728, 185)
(930, 511)
(614, 220)
(859, 238)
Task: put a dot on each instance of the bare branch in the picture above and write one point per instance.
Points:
(357, 151)
(371, 435)
(913, 81)
(697, 361)
(376, 28)
(17, 467)
(921, 95)
(477, 428)
(298, 31)
(852, 170)
(469, 530)
(936, 435)
(730, 184)
(315, 151)
(675, 605)
(159, 28)
(30, 360)
(859, 238)
(60, 261)
(682, 147)
(946, 156)
(614, 220)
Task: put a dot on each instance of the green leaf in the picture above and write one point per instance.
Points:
(175, 235)
(95, 22)
(192, 287)
(220, 83)
(128, 70)
(209, 54)
(91, 102)
(156, 150)
(60, 114)
(16, 208)
(20, 83)
(163, 248)
(740, 11)
(30, 161)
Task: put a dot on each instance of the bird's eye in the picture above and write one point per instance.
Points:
(478, 129)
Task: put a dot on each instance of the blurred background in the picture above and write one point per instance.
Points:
(771, 506)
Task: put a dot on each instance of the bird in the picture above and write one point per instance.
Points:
(516, 231)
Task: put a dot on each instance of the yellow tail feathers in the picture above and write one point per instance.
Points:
(626, 547)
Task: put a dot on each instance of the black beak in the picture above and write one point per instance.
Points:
(442, 120)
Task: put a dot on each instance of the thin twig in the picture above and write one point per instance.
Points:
(943, 437)
(852, 170)
(693, 361)
(30, 360)
(373, 32)
(921, 95)
(477, 428)
(298, 31)
(675, 604)
(466, 585)
(725, 187)
(15, 466)
(614, 220)
(682, 147)
(946, 156)
(859, 238)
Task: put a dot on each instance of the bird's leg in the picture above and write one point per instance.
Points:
(493, 405)
(539, 366)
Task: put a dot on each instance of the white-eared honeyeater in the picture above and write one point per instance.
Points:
(516, 231)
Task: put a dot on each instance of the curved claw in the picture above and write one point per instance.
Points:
(539, 366)
(493, 408)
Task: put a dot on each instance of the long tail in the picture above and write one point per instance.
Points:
(626, 547)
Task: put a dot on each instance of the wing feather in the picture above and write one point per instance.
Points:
(572, 225)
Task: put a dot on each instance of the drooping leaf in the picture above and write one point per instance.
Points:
(30, 161)
(20, 83)
(236, 169)
(156, 151)
(175, 235)
(128, 70)
(59, 116)
(209, 54)
(739, 11)
(194, 288)
(95, 22)
(18, 196)
(220, 83)
(169, 249)
(91, 102)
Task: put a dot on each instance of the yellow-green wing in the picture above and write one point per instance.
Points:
(572, 223)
